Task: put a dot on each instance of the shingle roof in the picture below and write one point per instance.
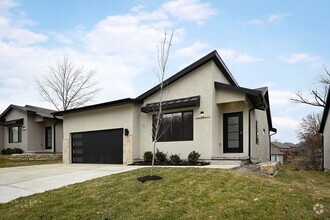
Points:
(42, 112)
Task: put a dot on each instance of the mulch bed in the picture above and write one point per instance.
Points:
(143, 179)
(168, 163)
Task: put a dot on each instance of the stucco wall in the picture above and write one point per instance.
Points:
(200, 82)
(260, 152)
(326, 137)
(36, 135)
(101, 119)
(59, 137)
(14, 115)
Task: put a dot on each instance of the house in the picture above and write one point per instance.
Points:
(31, 128)
(276, 154)
(325, 131)
(205, 110)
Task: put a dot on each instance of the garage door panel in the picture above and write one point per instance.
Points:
(104, 146)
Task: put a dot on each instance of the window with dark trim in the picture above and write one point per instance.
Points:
(257, 133)
(48, 138)
(176, 126)
(15, 134)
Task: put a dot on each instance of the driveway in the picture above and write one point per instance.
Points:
(22, 181)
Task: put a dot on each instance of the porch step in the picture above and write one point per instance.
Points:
(227, 162)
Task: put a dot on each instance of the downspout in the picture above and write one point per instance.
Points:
(270, 145)
(250, 133)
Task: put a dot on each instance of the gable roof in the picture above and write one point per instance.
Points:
(42, 112)
(325, 113)
(259, 98)
(214, 56)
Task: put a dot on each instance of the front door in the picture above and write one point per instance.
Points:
(233, 132)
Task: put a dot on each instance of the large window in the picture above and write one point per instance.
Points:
(175, 127)
(15, 134)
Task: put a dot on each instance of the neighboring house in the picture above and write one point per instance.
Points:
(276, 154)
(325, 131)
(205, 110)
(33, 129)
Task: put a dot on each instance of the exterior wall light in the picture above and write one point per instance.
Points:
(202, 115)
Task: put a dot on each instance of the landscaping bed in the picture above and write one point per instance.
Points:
(169, 163)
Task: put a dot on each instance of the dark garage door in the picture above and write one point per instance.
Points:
(104, 146)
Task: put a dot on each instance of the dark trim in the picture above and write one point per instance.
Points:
(98, 106)
(47, 147)
(214, 56)
(258, 97)
(225, 133)
(172, 104)
(12, 123)
(325, 113)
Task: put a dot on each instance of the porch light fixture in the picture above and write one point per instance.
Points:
(24, 128)
(126, 132)
(202, 115)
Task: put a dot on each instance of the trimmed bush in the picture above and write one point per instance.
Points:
(17, 150)
(147, 156)
(175, 159)
(160, 156)
(9, 151)
(4, 152)
(193, 157)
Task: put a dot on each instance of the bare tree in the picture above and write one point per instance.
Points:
(163, 54)
(311, 139)
(67, 86)
(318, 97)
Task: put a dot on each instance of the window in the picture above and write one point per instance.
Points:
(48, 137)
(257, 133)
(15, 134)
(175, 127)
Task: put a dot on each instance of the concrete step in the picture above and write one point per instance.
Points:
(227, 162)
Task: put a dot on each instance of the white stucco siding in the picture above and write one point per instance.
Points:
(260, 151)
(199, 82)
(101, 119)
(326, 136)
(14, 115)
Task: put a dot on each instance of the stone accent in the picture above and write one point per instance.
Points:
(269, 167)
(30, 156)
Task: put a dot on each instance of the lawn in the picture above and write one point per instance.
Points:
(183, 193)
(6, 162)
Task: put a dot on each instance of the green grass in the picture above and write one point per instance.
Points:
(6, 162)
(183, 193)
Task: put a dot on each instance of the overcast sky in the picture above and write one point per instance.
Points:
(279, 44)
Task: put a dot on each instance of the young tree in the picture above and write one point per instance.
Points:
(163, 54)
(67, 86)
(310, 138)
(318, 95)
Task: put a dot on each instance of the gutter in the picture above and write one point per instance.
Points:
(270, 144)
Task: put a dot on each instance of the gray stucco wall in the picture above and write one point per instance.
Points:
(1, 138)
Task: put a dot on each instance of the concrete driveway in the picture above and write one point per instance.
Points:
(22, 181)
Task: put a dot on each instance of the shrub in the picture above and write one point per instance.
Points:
(17, 150)
(147, 156)
(175, 159)
(193, 157)
(9, 151)
(160, 156)
(4, 152)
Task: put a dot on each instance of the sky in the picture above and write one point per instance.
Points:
(279, 44)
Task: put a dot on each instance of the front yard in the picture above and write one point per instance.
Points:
(6, 162)
(183, 193)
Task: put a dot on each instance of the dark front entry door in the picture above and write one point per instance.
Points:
(233, 132)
